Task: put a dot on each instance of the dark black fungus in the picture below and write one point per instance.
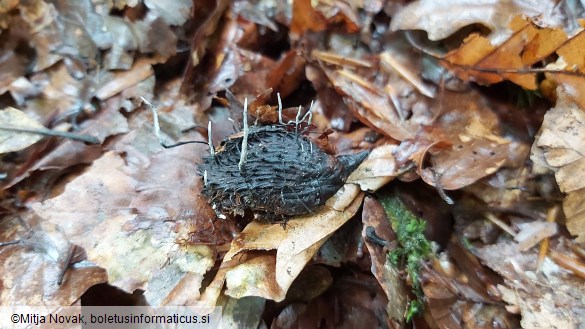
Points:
(284, 174)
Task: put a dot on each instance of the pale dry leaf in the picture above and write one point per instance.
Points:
(172, 12)
(138, 252)
(377, 169)
(11, 141)
(294, 246)
(121, 54)
(563, 150)
(549, 298)
(440, 19)
(255, 277)
(532, 233)
(574, 209)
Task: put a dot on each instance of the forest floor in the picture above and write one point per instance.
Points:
(467, 212)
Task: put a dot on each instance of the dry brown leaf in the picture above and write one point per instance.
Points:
(31, 270)
(138, 253)
(121, 81)
(520, 38)
(387, 275)
(370, 104)
(11, 141)
(450, 305)
(60, 93)
(106, 123)
(202, 41)
(306, 18)
(119, 211)
(571, 60)
(466, 141)
(335, 111)
(354, 301)
(560, 145)
(478, 146)
(481, 59)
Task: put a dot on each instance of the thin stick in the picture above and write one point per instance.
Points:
(499, 223)
(50, 132)
(245, 139)
(438, 186)
(516, 71)
(10, 243)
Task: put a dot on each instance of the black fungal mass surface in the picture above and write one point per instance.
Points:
(284, 174)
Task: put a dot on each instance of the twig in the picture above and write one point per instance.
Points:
(10, 243)
(516, 71)
(375, 238)
(440, 57)
(439, 186)
(389, 62)
(50, 132)
(499, 223)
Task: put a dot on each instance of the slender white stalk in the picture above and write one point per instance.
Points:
(244, 152)
(209, 142)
